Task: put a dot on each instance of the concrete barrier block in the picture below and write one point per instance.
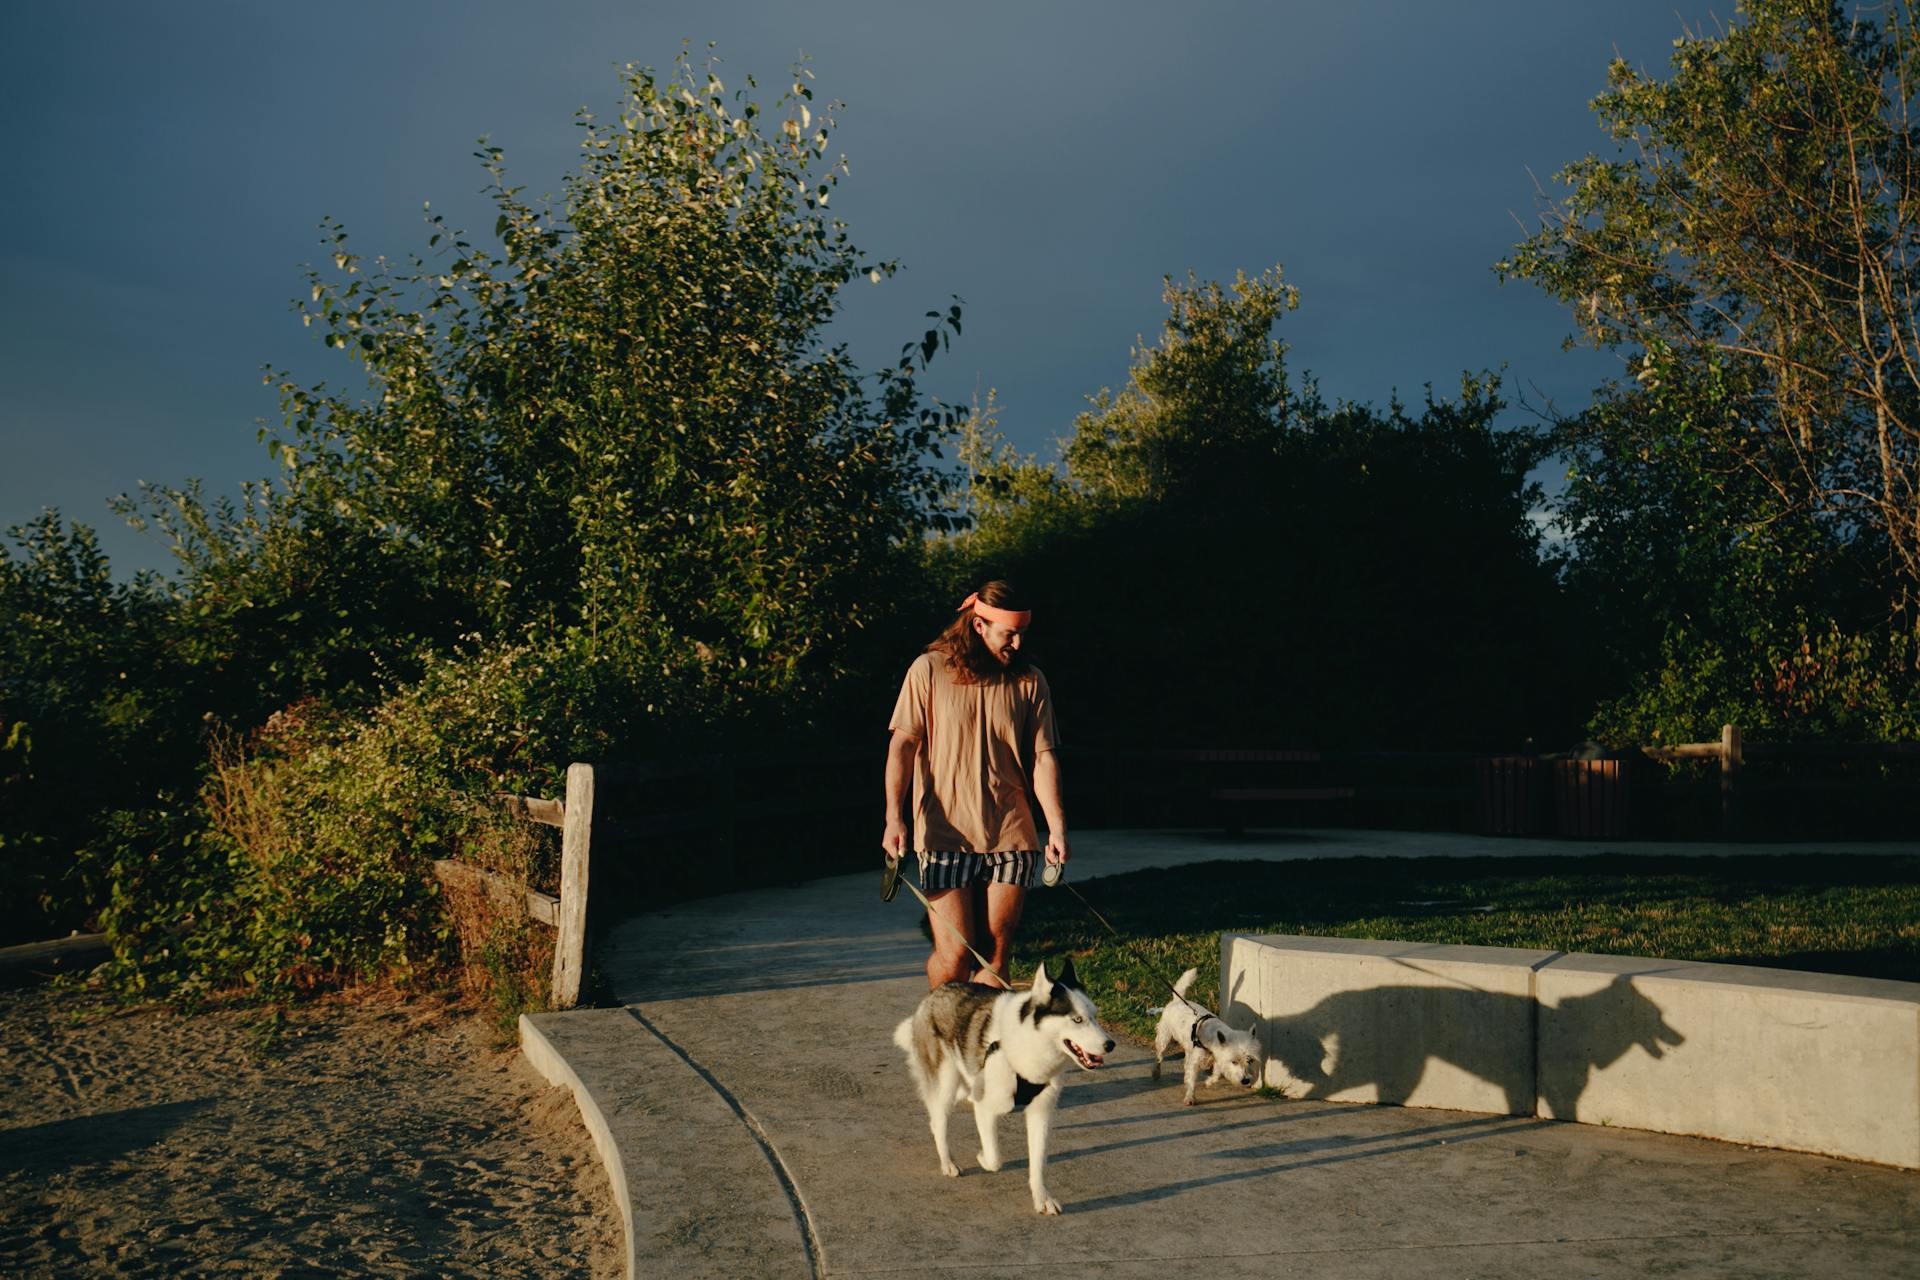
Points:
(1415, 1024)
(1806, 1061)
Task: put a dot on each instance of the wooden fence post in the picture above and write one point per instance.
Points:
(1729, 773)
(570, 946)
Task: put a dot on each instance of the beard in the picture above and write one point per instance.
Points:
(977, 664)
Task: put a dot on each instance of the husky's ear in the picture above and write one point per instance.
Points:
(1042, 988)
(1067, 977)
(1219, 1037)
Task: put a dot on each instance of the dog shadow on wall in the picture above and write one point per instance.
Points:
(1379, 1044)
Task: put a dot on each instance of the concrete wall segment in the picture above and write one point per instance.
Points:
(1415, 1024)
(1804, 1061)
(1809, 1062)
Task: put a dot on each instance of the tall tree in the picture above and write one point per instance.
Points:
(1754, 249)
(1215, 385)
(1226, 559)
(626, 427)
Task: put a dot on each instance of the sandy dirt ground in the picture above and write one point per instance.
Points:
(369, 1137)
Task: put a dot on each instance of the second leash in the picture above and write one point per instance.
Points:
(1095, 913)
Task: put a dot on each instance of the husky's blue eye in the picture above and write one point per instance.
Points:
(1079, 1019)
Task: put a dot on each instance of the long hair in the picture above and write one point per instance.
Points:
(966, 654)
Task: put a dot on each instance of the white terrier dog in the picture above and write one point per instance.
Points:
(1208, 1042)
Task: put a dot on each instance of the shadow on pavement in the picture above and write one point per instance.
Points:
(1418, 1139)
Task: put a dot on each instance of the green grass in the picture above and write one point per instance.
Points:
(1829, 913)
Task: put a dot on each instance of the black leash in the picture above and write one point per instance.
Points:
(1057, 877)
(1095, 913)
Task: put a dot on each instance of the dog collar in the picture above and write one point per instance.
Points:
(1193, 1032)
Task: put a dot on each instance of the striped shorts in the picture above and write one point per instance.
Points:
(958, 870)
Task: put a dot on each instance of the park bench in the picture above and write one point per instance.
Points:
(1238, 781)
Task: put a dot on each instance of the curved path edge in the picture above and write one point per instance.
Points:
(552, 1065)
(700, 1192)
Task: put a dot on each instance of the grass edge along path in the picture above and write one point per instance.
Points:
(1830, 913)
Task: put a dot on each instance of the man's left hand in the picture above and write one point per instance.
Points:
(1057, 847)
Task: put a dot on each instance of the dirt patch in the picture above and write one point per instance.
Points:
(368, 1137)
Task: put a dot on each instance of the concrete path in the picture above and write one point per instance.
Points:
(763, 1125)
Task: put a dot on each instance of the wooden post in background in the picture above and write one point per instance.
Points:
(570, 947)
(1729, 772)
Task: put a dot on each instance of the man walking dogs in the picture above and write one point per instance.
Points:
(974, 730)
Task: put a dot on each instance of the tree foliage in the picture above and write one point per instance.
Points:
(1213, 389)
(1748, 501)
(1752, 248)
(1224, 558)
(609, 489)
(625, 431)
(85, 682)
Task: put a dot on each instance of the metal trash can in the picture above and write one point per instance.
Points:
(1591, 798)
(1510, 795)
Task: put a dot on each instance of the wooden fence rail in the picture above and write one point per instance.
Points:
(703, 796)
(1733, 752)
(567, 913)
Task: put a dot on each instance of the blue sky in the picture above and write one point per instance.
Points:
(1048, 162)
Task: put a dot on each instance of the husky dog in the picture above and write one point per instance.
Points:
(1002, 1049)
(1207, 1040)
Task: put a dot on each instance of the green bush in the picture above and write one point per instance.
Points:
(609, 491)
(90, 719)
(1221, 558)
(1805, 681)
(305, 861)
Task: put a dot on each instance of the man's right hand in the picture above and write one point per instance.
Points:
(893, 841)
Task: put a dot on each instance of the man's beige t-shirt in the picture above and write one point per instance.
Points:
(978, 745)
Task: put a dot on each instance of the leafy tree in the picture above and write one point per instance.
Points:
(609, 490)
(1746, 502)
(626, 431)
(1226, 560)
(1214, 387)
(1682, 585)
(1752, 249)
(277, 601)
(88, 719)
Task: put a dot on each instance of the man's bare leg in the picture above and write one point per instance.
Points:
(949, 961)
(1004, 904)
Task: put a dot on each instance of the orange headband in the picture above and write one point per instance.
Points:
(1019, 620)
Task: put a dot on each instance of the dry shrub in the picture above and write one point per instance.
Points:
(501, 956)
